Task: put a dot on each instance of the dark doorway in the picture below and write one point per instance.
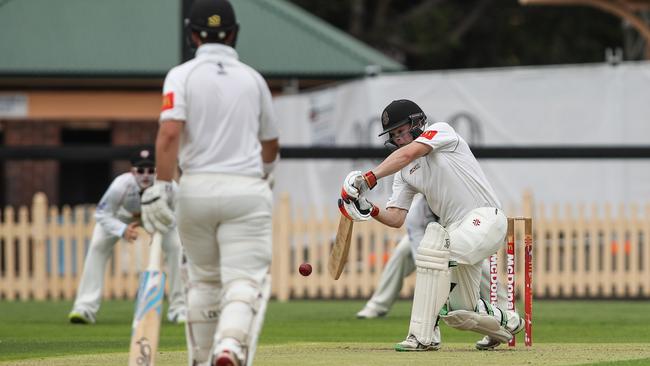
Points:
(83, 182)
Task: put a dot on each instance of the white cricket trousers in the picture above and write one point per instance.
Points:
(225, 224)
(91, 287)
(473, 239)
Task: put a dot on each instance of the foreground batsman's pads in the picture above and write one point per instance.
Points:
(432, 282)
(258, 321)
(244, 301)
(481, 323)
(202, 318)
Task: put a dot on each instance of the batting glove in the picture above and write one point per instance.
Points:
(356, 184)
(157, 207)
(358, 210)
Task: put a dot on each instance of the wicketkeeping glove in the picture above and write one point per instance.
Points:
(356, 184)
(358, 210)
(157, 207)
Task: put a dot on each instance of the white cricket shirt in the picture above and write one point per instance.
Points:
(227, 109)
(119, 205)
(449, 177)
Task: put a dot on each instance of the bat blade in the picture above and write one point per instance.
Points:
(339, 254)
(145, 330)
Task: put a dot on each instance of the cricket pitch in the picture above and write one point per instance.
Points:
(372, 354)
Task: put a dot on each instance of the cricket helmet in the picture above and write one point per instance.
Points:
(400, 112)
(212, 18)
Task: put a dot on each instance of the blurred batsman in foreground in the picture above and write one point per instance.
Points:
(401, 264)
(217, 120)
(438, 163)
(118, 216)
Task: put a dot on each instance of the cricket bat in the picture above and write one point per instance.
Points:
(145, 330)
(341, 248)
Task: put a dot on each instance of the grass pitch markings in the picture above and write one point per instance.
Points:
(373, 354)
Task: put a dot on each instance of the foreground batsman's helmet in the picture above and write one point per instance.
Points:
(401, 112)
(212, 19)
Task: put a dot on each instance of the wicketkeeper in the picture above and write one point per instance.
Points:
(438, 163)
(118, 217)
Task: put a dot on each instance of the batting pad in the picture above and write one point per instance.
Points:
(432, 283)
(481, 323)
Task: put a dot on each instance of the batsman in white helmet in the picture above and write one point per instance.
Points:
(118, 217)
(217, 120)
(435, 161)
(401, 264)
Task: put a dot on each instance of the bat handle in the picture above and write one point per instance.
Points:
(155, 252)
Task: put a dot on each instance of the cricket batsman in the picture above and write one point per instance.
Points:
(438, 163)
(218, 123)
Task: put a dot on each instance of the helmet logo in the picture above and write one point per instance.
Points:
(214, 21)
(384, 118)
(144, 154)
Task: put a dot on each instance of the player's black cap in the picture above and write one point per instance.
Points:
(143, 158)
(398, 113)
(211, 16)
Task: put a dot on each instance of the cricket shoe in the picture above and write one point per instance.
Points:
(487, 344)
(81, 317)
(226, 358)
(411, 344)
(228, 353)
(369, 312)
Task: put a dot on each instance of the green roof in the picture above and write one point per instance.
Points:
(85, 37)
(144, 38)
(278, 37)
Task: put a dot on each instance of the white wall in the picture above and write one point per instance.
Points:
(595, 104)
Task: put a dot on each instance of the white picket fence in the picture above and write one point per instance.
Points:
(578, 253)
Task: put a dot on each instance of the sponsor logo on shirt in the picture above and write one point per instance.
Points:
(168, 101)
(416, 167)
(428, 134)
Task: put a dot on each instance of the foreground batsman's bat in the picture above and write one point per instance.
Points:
(341, 248)
(148, 308)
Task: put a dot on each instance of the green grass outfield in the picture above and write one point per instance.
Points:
(326, 333)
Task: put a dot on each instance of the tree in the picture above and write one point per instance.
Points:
(448, 34)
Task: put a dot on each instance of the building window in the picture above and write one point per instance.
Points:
(83, 182)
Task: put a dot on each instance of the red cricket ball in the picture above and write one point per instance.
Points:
(305, 269)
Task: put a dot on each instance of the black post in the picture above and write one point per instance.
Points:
(187, 51)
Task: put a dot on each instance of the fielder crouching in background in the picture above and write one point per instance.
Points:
(117, 216)
(217, 121)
